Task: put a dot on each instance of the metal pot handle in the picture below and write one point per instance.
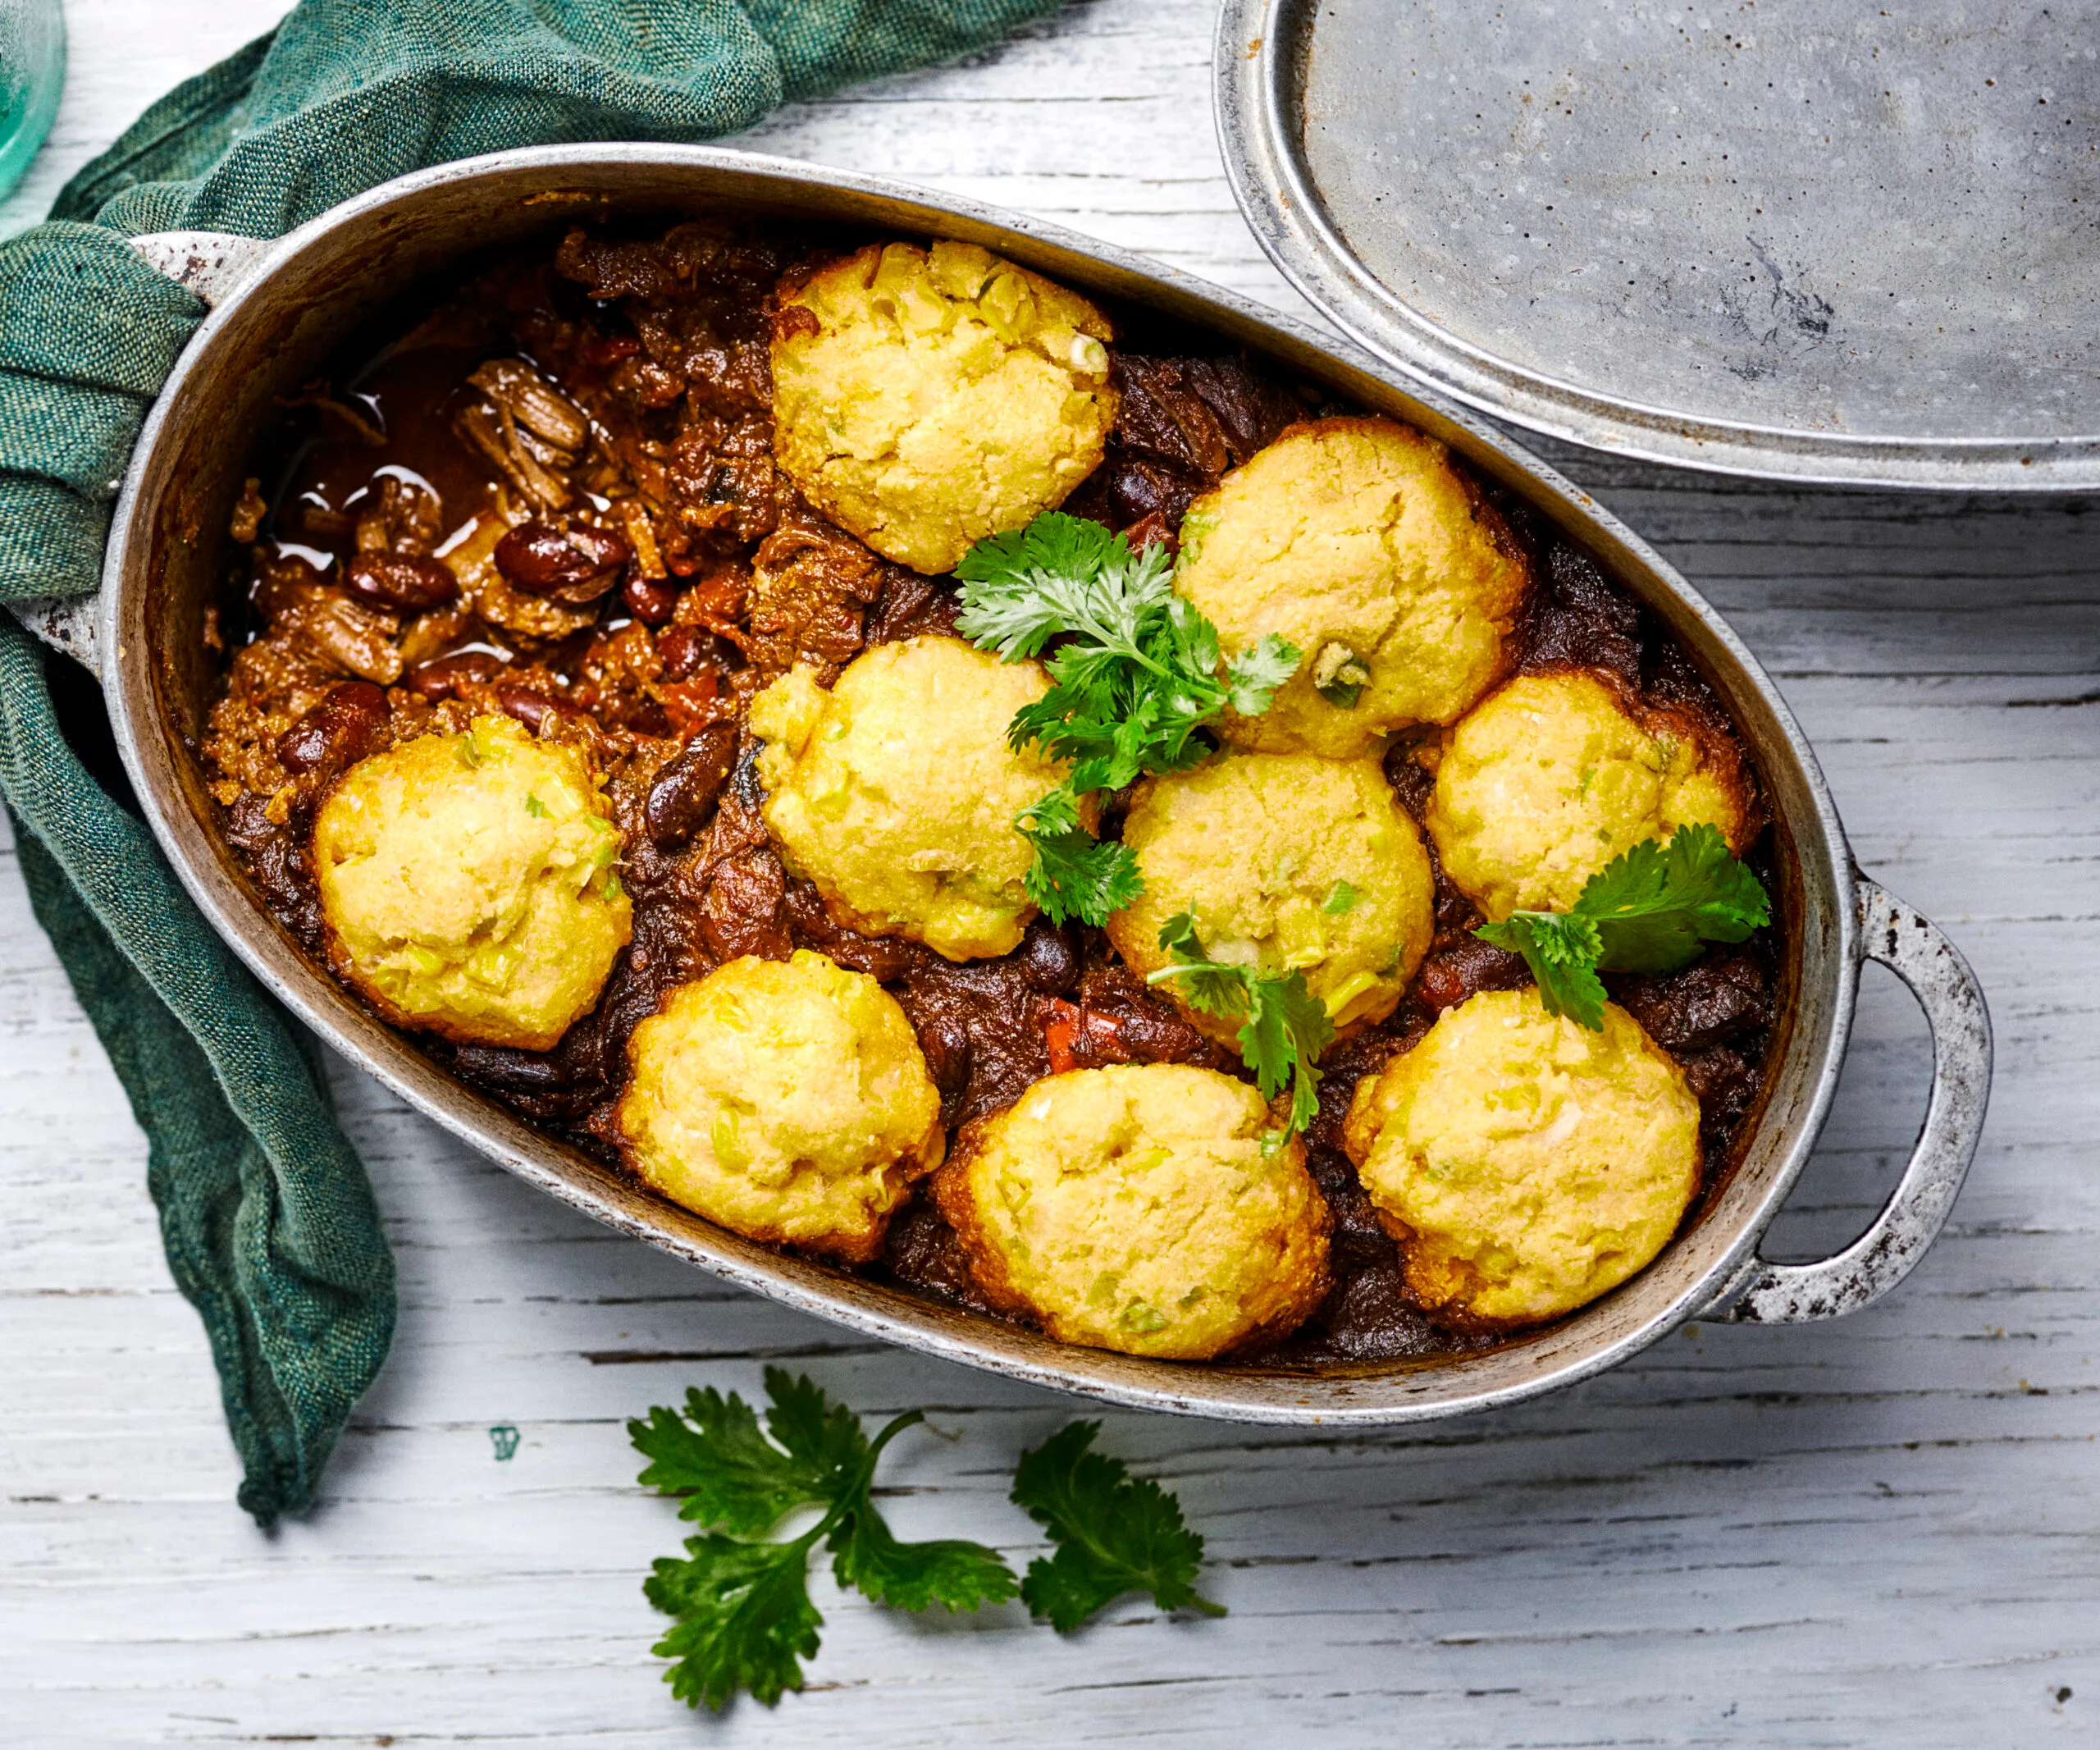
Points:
(210, 263)
(1912, 947)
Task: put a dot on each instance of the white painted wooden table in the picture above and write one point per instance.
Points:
(1882, 1531)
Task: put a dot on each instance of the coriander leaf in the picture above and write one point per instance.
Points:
(1561, 950)
(744, 1619)
(949, 1571)
(1253, 676)
(1074, 874)
(1178, 935)
(1061, 574)
(1027, 584)
(1215, 989)
(1115, 1533)
(730, 1474)
(1646, 911)
(1654, 905)
(815, 1432)
(1065, 725)
(1193, 638)
(1287, 1028)
(1052, 814)
(1134, 737)
(1053, 542)
(1055, 811)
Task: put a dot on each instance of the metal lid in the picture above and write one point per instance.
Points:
(1789, 238)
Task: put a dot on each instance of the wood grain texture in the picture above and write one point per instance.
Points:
(1884, 1530)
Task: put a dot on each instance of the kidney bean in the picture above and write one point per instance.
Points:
(536, 558)
(575, 565)
(440, 680)
(1047, 960)
(605, 548)
(338, 732)
(533, 709)
(650, 599)
(685, 791)
(406, 582)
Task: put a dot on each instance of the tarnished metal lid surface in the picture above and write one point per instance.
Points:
(1792, 238)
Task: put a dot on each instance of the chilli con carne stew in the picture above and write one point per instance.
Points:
(555, 499)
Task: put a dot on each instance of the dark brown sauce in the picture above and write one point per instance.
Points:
(662, 344)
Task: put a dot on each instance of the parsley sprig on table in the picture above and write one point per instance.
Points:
(1286, 1026)
(1646, 911)
(742, 1600)
(1137, 674)
(745, 1620)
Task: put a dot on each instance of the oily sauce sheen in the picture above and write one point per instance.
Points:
(343, 634)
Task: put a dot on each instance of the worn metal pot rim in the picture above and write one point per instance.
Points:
(1393, 1396)
(1254, 115)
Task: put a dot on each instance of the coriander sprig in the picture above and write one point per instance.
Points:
(1286, 1026)
(744, 1619)
(1138, 672)
(742, 1601)
(1646, 911)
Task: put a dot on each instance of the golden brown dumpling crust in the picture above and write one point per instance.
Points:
(1357, 541)
(1133, 1208)
(924, 399)
(468, 886)
(1286, 862)
(786, 1101)
(1554, 774)
(1527, 1164)
(895, 792)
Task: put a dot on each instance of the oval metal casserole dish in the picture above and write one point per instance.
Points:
(283, 309)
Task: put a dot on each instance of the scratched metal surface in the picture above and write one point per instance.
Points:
(1787, 236)
(1884, 1530)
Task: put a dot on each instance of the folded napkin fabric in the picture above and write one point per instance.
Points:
(269, 1221)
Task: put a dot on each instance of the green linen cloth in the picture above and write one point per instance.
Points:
(269, 1221)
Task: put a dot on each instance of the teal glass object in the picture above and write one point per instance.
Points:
(32, 70)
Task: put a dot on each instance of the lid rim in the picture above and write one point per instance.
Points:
(1252, 63)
